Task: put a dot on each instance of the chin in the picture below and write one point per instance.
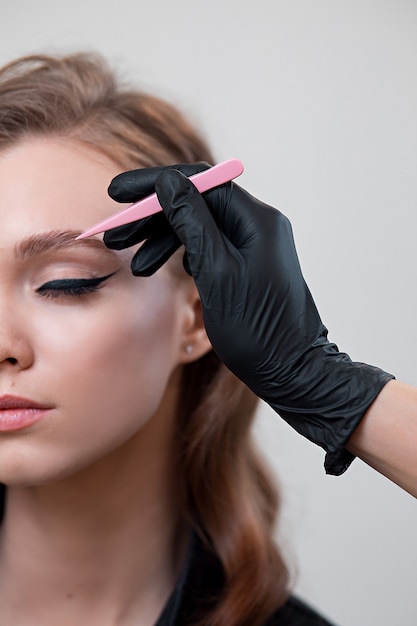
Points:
(32, 470)
(21, 476)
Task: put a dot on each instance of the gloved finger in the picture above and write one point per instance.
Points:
(192, 221)
(135, 232)
(161, 242)
(154, 253)
(137, 184)
(240, 216)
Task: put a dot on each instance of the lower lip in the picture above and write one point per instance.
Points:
(17, 419)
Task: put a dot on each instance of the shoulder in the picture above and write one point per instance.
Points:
(296, 613)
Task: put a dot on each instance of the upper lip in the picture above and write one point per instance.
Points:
(18, 402)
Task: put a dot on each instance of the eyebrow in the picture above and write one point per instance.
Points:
(53, 240)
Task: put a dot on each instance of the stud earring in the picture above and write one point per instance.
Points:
(188, 348)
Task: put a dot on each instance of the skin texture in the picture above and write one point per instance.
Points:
(95, 475)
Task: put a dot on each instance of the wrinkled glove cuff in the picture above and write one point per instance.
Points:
(329, 409)
(338, 460)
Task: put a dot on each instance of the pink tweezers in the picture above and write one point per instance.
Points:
(216, 175)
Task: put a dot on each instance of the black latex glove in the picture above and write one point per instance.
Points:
(258, 311)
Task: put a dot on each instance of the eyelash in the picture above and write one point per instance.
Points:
(71, 287)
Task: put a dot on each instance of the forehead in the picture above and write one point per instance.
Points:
(52, 184)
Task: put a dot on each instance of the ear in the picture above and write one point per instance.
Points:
(194, 341)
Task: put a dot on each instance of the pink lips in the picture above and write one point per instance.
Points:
(17, 412)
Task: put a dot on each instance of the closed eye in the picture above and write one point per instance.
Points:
(71, 287)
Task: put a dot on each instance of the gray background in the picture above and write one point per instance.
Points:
(319, 99)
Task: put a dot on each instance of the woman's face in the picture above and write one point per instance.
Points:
(93, 351)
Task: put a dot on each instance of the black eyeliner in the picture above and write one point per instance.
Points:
(66, 284)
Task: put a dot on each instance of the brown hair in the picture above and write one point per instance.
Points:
(227, 494)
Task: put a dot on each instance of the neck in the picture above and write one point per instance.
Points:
(105, 544)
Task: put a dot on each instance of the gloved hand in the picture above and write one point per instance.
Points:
(258, 311)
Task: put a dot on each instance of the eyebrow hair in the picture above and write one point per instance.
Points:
(54, 240)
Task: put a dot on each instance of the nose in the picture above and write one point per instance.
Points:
(15, 348)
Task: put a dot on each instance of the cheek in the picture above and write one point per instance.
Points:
(113, 357)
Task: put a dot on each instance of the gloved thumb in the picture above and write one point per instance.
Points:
(191, 219)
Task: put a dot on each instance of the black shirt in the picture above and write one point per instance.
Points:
(201, 578)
